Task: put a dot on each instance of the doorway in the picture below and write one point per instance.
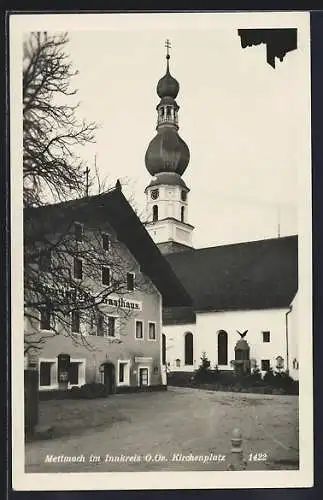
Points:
(109, 377)
(143, 377)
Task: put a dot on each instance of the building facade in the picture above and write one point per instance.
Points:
(248, 291)
(113, 335)
(216, 335)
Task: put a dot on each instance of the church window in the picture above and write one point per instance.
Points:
(168, 111)
(265, 365)
(182, 214)
(266, 336)
(177, 363)
(183, 195)
(155, 212)
(222, 348)
(188, 348)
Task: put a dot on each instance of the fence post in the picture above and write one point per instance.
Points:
(31, 400)
(237, 462)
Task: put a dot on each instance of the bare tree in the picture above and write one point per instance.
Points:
(65, 280)
(71, 271)
(52, 169)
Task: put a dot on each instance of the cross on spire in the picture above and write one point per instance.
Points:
(168, 46)
(87, 171)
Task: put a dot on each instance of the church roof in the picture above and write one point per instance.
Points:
(168, 179)
(113, 208)
(253, 275)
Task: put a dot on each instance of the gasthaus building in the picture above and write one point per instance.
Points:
(122, 345)
(244, 295)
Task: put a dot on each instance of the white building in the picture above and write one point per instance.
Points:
(246, 288)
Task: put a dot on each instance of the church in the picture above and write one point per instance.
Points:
(244, 295)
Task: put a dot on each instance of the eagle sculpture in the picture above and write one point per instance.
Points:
(242, 335)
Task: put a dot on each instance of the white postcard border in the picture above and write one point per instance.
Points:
(19, 24)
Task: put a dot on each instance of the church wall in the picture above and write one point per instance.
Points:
(175, 338)
(208, 326)
(170, 230)
(206, 330)
(169, 226)
(169, 202)
(158, 231)
(293, 321)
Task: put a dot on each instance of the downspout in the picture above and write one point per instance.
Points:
(286, 331)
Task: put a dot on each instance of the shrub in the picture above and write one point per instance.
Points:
(203, 372)
(180, 379)
(269, 377)
(256, 374)
(93, 390)
(284, 381)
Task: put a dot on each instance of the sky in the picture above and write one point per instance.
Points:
(242, 120)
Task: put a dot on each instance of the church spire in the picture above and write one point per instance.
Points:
(166, 159)
(167, 152)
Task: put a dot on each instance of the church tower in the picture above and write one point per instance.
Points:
(166, 159)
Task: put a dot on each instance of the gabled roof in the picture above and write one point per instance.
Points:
(113, 208)
(254, 275)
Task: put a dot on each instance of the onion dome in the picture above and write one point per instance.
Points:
(167, 86)
(167, 152)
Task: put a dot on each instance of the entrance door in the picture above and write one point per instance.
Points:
(109, 377)
(143, 377)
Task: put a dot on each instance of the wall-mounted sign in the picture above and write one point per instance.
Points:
(123, 303)
(143, 359)
(73, 295)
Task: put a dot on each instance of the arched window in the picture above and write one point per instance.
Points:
(168, 111)
(222, 348)
(182, 213)
(163, 349)
(188, 348)
(155, 212)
